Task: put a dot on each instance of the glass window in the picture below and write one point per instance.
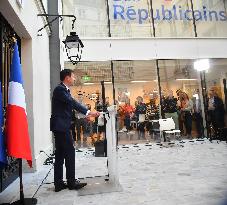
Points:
(133, 18)
(130, 18)
(173, 18)
(88, 91)
(137, 99)
(181, 96)
(211, 18)
(92, 20)
(216, 74)
(178, 74)
(214, 90)
(186, 95)
(88, 80)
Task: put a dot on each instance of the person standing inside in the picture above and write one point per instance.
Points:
(170, 108)
(180, 93)
(216, 110)
(186, 111)
(140, 112)
(197, 114)
(128, 111)
(81, 123)
(60, 124)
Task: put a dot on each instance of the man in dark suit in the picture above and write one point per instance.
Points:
(197, 114)
(216, 110)
(62, 108)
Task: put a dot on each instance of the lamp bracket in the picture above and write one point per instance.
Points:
(55, 17)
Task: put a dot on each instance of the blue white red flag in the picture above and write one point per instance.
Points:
(17, 135)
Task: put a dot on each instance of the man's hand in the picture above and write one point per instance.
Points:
(93, 114)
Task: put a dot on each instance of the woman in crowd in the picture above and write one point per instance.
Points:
(169, 106)
(186, 113)
(128, 111)
(140, 114)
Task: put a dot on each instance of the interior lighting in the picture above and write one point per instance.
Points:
(139, 81)
(88, 83)
(186, 79)
(202, 65)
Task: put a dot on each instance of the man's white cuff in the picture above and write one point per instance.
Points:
(88, 112)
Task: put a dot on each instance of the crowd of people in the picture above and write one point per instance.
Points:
(136, 118)
(182, 109)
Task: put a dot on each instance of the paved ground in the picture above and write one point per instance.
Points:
(190, 173)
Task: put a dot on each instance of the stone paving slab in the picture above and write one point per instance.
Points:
(99, 185)
(190, 173)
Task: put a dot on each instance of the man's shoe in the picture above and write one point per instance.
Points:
(76, 185)
(59, 187)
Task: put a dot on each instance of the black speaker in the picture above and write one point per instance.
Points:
(223, 134)
(100, 148)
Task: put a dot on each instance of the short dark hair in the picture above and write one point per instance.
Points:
(64, 73)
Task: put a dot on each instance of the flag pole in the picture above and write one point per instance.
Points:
(22, 200)
(21, 183)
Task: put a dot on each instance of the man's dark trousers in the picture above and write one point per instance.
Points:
(64, 150)
(80, 123)
(199, 124)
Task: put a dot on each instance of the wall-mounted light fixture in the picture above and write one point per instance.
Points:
(73, 44)
(55, 17)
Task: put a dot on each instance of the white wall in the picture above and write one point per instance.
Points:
(36, 72)
(150, 48)
(61, 36)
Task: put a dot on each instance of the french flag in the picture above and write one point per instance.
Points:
(17, 135)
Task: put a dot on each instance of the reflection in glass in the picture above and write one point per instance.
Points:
(130, 18)
(181, 97)
(134, 18)
(88, 90)
(92, 20)
(137, 100)
(211, 18)
(173, 18)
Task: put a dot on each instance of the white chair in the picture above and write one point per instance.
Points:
(167, 126)
(174, 131)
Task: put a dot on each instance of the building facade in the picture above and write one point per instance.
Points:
(150, 47)
(147, 47)
(19, 19)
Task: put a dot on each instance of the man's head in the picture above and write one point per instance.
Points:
(67, 77)
(80, 98)
(170, 93)
(139, 99)
(212, 92)
(107, 99)
(127, 101)
(179, 92)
